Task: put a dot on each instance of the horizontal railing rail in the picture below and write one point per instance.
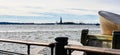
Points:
(28, 43)
(96, 50)
(9, 53)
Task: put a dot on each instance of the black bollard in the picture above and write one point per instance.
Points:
(116, 40)
(59, 45)
(84, 37)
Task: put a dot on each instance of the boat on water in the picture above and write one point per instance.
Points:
(109, 22)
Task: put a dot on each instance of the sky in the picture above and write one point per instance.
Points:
(50, 11)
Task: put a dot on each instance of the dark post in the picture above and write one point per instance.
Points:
(28, 49)
(59, 45)
(116, 40)
(84, 37)
(52, 48)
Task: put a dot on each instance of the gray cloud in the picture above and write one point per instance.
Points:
(83, 9)
(33, 7)
(3, 7)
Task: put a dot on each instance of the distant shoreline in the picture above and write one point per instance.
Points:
(13, 23)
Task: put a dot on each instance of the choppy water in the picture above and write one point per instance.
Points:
(44, 32)
(29, 28)
(38, 33)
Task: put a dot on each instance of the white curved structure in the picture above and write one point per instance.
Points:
(109, 22)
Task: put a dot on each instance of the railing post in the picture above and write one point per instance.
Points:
(59, 45)
(84, 37)
(116, 40)
(52, 48)
(28, 49)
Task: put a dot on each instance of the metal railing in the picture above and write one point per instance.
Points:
(61, 47)
(29, 44)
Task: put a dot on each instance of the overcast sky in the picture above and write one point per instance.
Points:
(41, 11)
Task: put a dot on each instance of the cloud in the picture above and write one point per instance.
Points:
(71, 10)
(83, 9)
(20, 7)
(3, 7)
(33, 7)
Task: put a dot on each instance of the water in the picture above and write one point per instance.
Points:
(40, 33)
(45, 32)
(30, 28)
